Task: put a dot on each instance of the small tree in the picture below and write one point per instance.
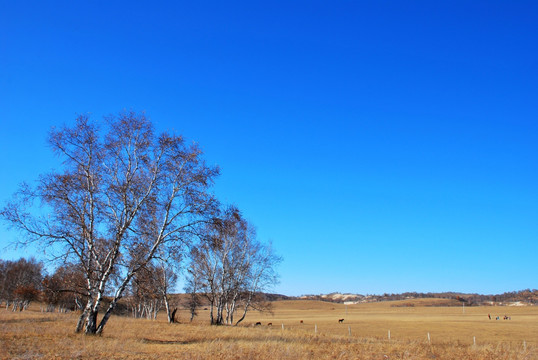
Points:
(146, 298)
(65, 288)
(123, 197)
(192, 287)
(230, 266)
(150, 289)
(166, 280)
(20, 282)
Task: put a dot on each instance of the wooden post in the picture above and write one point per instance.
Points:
(315, 328)
(349, 330)
(389, 334)
(282, 327)
(524, 346)
(474, 340)
(429, 339)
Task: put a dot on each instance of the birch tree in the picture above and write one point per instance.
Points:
(229, 267)
(122, 195)
(150, 289)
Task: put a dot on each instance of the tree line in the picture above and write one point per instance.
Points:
(24, 280)
(527, 296)
(20, 282)
(125, 209)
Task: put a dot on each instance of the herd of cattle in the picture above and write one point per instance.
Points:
(271, 324)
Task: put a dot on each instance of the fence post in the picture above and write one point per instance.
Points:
(429, 339)
(349, 330)
(315, 328)
(389, 335)
(282, 327)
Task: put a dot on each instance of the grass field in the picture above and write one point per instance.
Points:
(453, 334)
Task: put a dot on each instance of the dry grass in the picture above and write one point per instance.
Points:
(32, 334)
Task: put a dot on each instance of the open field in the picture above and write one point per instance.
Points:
(32, 334)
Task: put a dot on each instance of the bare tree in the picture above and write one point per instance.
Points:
(20, 282)
(167, 278)
(123, 196)
(192, 287)
(65, 288)
(230, 266)
(150, 289)
(259, 277)
(146, 299)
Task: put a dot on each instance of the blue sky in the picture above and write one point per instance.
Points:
(382, 146)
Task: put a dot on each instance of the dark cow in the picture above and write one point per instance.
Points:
(270, 324)
(258, 324)
(301, 321)
(340, 320)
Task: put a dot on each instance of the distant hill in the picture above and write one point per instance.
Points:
(516, 298)
(522, 297)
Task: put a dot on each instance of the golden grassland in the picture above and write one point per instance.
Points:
(454, 334)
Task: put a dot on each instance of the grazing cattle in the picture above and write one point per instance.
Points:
(258, 324)
(270, 324)
(340, 320)
(301, 321)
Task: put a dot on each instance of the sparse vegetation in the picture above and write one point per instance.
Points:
(32, 334)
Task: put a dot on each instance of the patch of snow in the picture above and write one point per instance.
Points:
(517, 303)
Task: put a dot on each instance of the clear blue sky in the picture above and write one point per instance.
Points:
(382, 146)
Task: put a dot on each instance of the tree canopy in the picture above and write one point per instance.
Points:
(123, 197)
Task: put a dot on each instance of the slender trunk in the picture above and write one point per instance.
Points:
(117, 297)
(77, 303)
(84, 316)
(227, 307)
(220, 309)
(218, 320)
(167, 305)
(147, 310)
(211, 305)
(242, 316)
(247, 304)
(105, 318)
(91, 322)
(232, 310)
(158, 306)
